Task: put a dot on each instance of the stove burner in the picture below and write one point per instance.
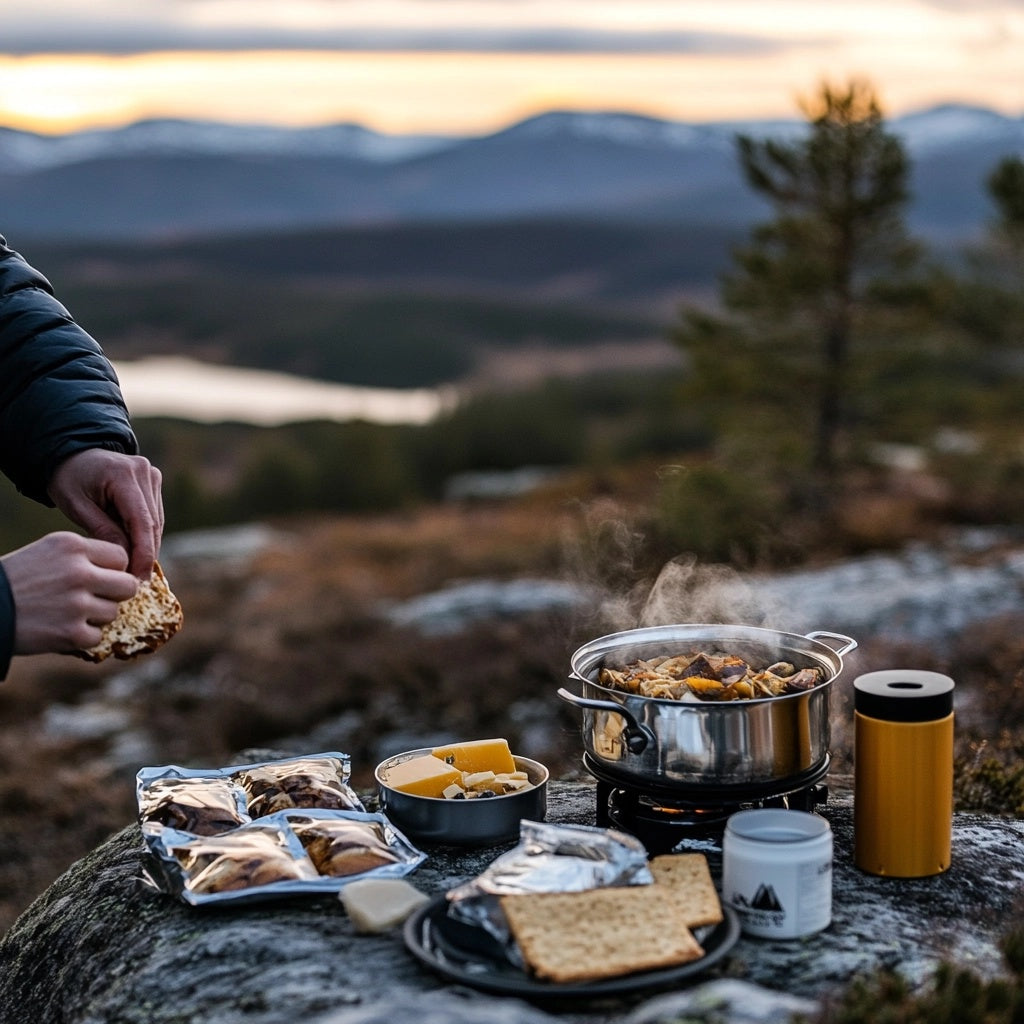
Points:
(666, 817)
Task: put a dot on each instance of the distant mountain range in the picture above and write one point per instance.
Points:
(176, 179)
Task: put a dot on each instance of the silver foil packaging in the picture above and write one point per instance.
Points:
(200, 805)
(255, 831)
(208, 800)
(548, 858)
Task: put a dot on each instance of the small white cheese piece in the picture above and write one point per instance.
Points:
(379, 904)
(478, 780)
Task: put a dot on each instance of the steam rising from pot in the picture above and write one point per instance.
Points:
(687, 592)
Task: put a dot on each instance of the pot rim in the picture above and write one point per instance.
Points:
(809, 644)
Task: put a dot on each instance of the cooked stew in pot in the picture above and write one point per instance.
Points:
(709, 677)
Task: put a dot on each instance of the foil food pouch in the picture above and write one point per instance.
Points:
(283, 854)
(253, 831)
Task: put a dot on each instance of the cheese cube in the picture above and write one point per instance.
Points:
(478, 756)
(479, 780)
(425, 775)
(378, 904)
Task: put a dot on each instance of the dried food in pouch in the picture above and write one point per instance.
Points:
(202, 806)
(258, 858)
(251, 857)
(346, 846)
(304, 782)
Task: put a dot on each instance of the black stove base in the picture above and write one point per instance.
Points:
(670, 819)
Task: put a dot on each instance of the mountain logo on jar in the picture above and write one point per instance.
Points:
(765, 908)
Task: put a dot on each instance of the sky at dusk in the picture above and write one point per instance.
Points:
(472, 66)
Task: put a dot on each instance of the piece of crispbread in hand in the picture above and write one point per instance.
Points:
(686, 879)
(144, 622)
(600, 933)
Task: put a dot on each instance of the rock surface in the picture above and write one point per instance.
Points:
(99, 948)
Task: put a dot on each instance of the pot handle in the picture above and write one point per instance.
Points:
(636, 735)
(847, 643)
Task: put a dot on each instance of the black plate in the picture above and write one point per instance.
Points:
(456, 951)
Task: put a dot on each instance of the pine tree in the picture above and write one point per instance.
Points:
(797, 300)
(1006, 188)
(987, 298)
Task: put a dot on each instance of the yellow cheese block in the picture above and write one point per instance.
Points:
(478, 756)
(425, 775)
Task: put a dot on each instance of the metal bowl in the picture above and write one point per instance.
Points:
(478, 822)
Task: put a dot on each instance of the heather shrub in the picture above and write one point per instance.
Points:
(953, 995)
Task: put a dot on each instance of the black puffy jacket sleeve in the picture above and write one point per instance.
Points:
(58, 392)
(58, 395)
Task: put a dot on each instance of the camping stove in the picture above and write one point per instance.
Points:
(673, 818)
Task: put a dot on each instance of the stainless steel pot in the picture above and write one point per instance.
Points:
(662, 742)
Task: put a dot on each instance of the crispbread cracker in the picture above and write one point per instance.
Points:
(144, 622)
(599, 933)
(686, 879)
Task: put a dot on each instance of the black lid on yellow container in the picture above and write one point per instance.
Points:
(903, 695)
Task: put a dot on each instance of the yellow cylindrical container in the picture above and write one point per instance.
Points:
(903, 773)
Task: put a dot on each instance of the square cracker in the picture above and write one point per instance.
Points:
(599, 933)
(686, 879)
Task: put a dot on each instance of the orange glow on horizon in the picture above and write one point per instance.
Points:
(457, 93)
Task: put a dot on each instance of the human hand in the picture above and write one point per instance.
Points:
(65, 588)
(116, 498)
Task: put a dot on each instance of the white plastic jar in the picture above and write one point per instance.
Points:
(777, 872)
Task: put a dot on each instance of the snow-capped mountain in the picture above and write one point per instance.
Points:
(956, 125)
(27, 151)
(176, 178)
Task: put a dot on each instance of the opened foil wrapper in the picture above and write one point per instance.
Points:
(548, 858)
(255, 831)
